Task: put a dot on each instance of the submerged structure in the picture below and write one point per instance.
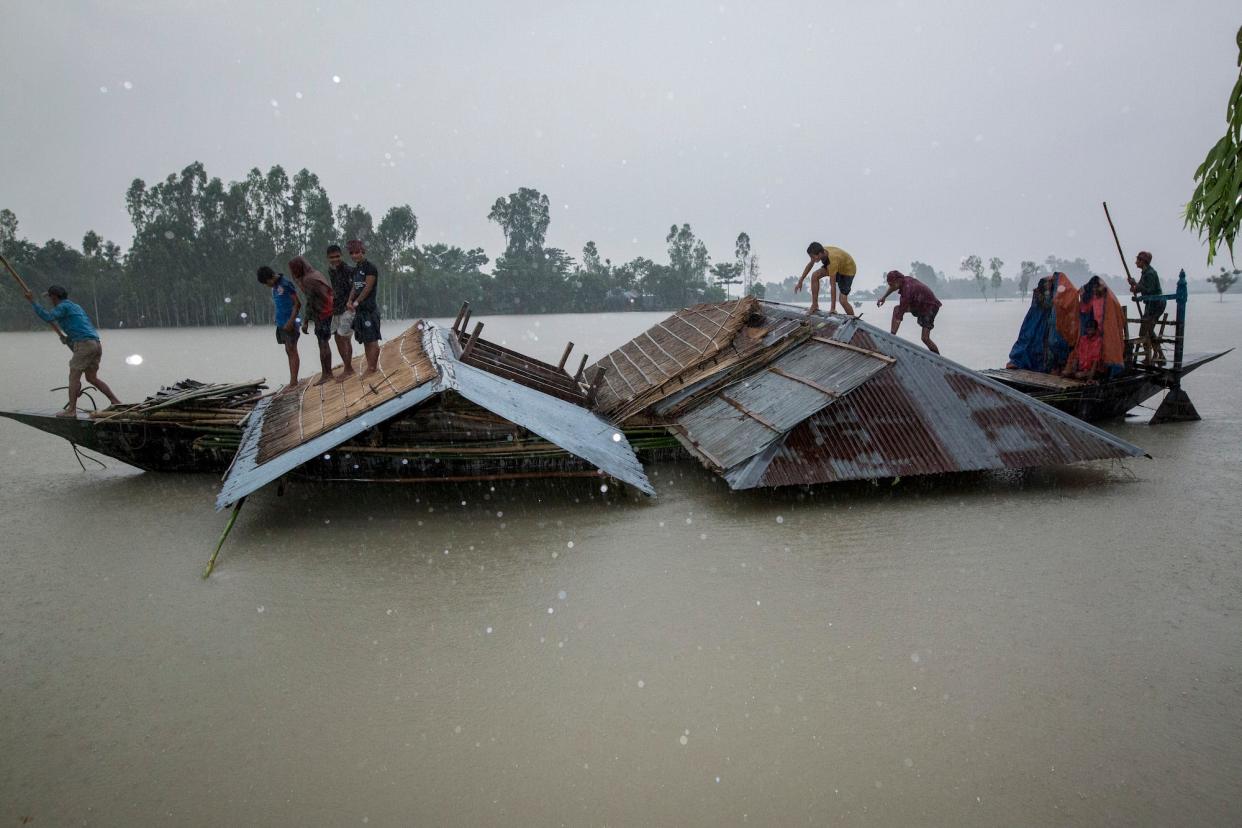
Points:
(767, 395)
(760, 393)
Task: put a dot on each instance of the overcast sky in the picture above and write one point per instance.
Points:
(899, 130)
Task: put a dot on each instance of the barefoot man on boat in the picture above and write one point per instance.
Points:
(81, 337)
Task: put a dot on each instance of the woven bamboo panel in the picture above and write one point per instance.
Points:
(667, 351)
(311, 409)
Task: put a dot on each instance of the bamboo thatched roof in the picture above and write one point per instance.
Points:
(649, 365)
(309, 409)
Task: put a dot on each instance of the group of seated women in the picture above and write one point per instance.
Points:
(1071, 332)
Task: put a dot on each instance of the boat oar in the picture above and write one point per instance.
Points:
(26, 289)
(211, 564)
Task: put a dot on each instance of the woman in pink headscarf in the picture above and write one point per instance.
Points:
(318, 293)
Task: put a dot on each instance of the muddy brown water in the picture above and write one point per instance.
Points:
(1060, 646)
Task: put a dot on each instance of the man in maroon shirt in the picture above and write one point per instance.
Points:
(917, 298)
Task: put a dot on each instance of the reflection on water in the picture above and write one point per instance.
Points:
(1050, 646)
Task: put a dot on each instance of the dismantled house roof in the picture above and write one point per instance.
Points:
(669, 355)
(286, 431)
(798, 398)
(297, 417)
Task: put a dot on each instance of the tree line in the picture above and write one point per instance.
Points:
(197, 242)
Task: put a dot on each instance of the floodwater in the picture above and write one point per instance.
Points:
(1056, 647)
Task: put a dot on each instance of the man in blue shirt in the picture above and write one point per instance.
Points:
(285, 298)
(81, 337)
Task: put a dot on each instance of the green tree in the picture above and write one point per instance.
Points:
(973, 265)
(727, 274)
(688, 263)
(1224, 280)
(995, 265)
(742, 258)
(1215, 207)
(924, 272)
(1026, 271)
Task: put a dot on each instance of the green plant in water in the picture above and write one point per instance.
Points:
(1215, 209)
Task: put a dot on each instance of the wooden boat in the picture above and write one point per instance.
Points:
(1113, 398)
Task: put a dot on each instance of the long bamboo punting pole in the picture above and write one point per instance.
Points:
(1117, 241)
(26, 289)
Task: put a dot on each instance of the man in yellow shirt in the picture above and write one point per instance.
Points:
(835, 264)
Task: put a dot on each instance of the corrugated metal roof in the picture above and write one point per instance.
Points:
(746, 417)
(573, 428)
(925, 415)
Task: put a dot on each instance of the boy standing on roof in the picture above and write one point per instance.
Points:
(82, 339)
(342, 277)
(1148, 285)
(318, 295)
(285, 298)
(840, 270)
(917, 298)
(362, 303)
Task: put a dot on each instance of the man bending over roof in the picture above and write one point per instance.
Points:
(840, 270)
(82, 339)
(917, 298)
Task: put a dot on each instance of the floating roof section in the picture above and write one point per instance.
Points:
(797, 398)
(286, 431)
(669, 355)
(924, 414)
(744, 418)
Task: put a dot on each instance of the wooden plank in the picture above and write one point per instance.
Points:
(749, 413)
(807, 382)
(883, 357)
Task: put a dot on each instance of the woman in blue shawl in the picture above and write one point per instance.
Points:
(1030, 352)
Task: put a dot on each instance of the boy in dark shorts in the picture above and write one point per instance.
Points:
(342, 277)
(362, 303)
(838, 267)
(318, 295)
(917, 298)
(285, 298)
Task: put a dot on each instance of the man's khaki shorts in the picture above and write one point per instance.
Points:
(343, 323)
(86, 355)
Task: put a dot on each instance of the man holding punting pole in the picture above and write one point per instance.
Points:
(1147, 285)
(81, 337)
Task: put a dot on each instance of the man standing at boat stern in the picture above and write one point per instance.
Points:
(81, 337)
(837, 267)
(362, 303)
(342, 277)
(918, 299)
(1148, 285)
